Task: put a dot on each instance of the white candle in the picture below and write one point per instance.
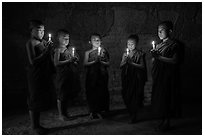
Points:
(49, 36)
(73, 50)
(153, 44)
(99, 50)
(127, 51)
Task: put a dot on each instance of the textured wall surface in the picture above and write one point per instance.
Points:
(115, 22)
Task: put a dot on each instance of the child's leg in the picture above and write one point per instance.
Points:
(35, 119)
(95, 115)
(167, 116)
(59, 107)
(62, 109)
(133, 116)
(35, 123)
(165, 122)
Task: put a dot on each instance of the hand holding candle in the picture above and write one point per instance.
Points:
(154, 52)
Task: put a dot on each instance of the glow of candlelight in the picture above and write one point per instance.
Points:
(49, 36)
(127, 50)
(73, 50)
(153, 44)
(99, 50)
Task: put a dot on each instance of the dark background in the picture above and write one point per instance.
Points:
(115, 22)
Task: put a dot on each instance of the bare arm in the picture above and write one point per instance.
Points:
(137, 65)
(141, 65)
(86, 63)
(124, 60)
(172, 60)
(31, 52)
(105, 63)
(56, 59)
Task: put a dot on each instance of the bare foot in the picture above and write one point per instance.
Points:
(95, 116)
(63, 118)
(163, 126)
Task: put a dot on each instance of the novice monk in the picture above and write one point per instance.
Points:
(97, 62)
(67, 79)
(134, 76)
(165, 75)
(39, 74)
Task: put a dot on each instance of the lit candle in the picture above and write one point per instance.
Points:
(73, 50)
(153, 44)
(99, 50)
(49, 36)
(127, 51)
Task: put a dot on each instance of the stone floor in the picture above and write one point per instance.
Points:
(16, 121)
(117, 124)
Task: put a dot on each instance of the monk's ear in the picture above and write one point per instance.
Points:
(89, 42)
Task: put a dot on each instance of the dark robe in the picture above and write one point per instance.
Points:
(165, 80)
(67, 78)
(97, 83)
(39, 77)
(133, 81)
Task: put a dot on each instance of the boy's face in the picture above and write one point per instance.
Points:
(96, 41)
(38, 32)
(162, 32)
(64, 39)
(131, 44)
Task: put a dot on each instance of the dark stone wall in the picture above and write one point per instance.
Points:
(115, 22)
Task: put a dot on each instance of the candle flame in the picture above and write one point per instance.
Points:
(153, 42)
(99, 49)
(73, 49)
(127, 50)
